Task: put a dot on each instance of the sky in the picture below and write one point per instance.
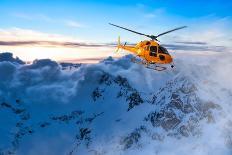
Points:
(79, 31)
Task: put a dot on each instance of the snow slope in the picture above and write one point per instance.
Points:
(117, 107)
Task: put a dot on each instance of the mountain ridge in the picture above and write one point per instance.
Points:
(113, 107)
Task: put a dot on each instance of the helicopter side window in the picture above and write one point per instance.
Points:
(153, 51)
(163, 50)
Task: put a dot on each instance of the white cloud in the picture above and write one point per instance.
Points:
(150, 15)
(156, 13)
(210, 29)
(22, 16)
(19, 34)
(46, 89)
(74, 24)
(29, 52)
(46, 18)
(39, 16)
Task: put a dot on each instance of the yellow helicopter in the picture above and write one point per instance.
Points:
(149, 51)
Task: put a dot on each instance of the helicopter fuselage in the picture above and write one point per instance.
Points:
(150, 51)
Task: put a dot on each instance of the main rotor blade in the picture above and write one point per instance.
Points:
(129, 30)
(171, 31)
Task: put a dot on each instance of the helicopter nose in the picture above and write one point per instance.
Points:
(169, 59)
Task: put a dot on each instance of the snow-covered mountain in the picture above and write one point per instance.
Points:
(117, 107)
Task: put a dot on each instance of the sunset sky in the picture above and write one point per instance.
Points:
(70, 30)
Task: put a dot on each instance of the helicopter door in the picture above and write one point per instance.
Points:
(153, 51)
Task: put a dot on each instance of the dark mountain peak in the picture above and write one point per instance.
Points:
(121, 84)
(7, 56)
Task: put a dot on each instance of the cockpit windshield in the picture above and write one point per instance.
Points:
(153, 50)
(163, 50)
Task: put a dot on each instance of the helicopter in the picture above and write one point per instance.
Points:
(150, 51)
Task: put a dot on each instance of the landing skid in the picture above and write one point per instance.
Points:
(157, 68)
(149, 65)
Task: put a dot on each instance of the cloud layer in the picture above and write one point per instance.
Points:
(44, 89)
(51, 44)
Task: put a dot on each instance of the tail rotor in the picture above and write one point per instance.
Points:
(118, 45)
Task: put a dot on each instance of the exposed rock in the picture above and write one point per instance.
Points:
(97, 93)
(133, 138)
(134, 99)
(184, 131)
(66, 118)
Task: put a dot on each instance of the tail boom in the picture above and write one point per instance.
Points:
(127, 48)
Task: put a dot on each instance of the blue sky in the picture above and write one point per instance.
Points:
(87, 20)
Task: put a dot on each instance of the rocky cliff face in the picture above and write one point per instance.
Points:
(111, 108)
